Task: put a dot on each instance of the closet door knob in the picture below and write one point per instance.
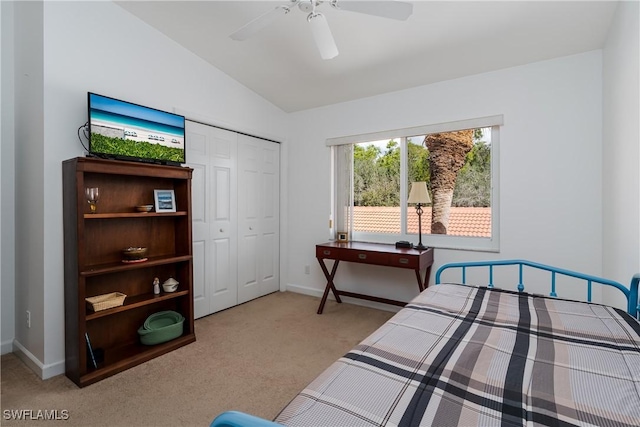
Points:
(221, 230)
(250, 228)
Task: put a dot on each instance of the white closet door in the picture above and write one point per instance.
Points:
(269, 268)
(212, 153)
(258, 211)
(198, 158)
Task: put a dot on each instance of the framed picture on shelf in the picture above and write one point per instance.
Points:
(165, 200)
(342, 236)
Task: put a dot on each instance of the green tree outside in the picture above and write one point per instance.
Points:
(377, 174)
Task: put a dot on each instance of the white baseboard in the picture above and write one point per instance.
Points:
(42, 370)
(7, 347)
(314, 292)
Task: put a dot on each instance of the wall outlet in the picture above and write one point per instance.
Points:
(307, 269)
(28, 319)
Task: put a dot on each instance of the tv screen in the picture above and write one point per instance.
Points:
(127, 131)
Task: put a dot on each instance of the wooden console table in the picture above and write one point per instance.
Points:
(376, 254)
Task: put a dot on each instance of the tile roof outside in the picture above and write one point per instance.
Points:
(474, 222)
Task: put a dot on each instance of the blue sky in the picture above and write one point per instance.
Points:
(111, 105)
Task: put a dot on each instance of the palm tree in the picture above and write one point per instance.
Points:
(447, 153)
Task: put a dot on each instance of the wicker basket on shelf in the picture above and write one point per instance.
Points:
(103, 302)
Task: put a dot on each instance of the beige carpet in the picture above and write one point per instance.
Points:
(254, 358)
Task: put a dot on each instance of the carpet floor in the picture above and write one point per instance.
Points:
(254, 358)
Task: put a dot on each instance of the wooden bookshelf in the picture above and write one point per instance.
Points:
(93, 262)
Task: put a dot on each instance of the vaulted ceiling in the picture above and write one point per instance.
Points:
(441, 40)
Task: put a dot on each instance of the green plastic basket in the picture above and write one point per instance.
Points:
(161, 327)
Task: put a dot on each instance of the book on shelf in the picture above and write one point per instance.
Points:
(90, 350)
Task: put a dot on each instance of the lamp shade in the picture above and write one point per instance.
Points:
(419, 193)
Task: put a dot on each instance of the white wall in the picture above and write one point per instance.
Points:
(30, 182)
(621, 147)
(550, 167)
(7, 201)
(99, 47)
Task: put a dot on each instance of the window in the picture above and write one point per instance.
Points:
(458, 161)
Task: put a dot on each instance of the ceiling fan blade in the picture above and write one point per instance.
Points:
(386, 9)
(322, 36)
(259, 23)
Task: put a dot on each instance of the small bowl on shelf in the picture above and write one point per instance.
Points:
(134, 253)
(144, 208)
(170, 285)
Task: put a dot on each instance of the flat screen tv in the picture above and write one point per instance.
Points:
(126, 131)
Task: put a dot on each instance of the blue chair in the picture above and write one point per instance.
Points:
(240, 419)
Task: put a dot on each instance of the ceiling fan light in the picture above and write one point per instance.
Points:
(322, 36)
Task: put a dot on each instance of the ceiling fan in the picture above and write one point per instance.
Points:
(318, 23)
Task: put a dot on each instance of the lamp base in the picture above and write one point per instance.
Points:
(421, 247)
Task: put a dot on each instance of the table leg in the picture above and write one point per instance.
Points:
(330, 285)
(422, 285)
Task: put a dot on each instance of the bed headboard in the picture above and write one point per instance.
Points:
(631, 293)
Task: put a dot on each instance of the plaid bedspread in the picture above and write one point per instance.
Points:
(467, 356)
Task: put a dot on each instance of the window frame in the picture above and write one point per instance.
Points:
(485, 244)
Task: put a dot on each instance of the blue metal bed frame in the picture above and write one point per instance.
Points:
(633, 305)
(241, 419)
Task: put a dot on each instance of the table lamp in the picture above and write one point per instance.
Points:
(420, 196)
